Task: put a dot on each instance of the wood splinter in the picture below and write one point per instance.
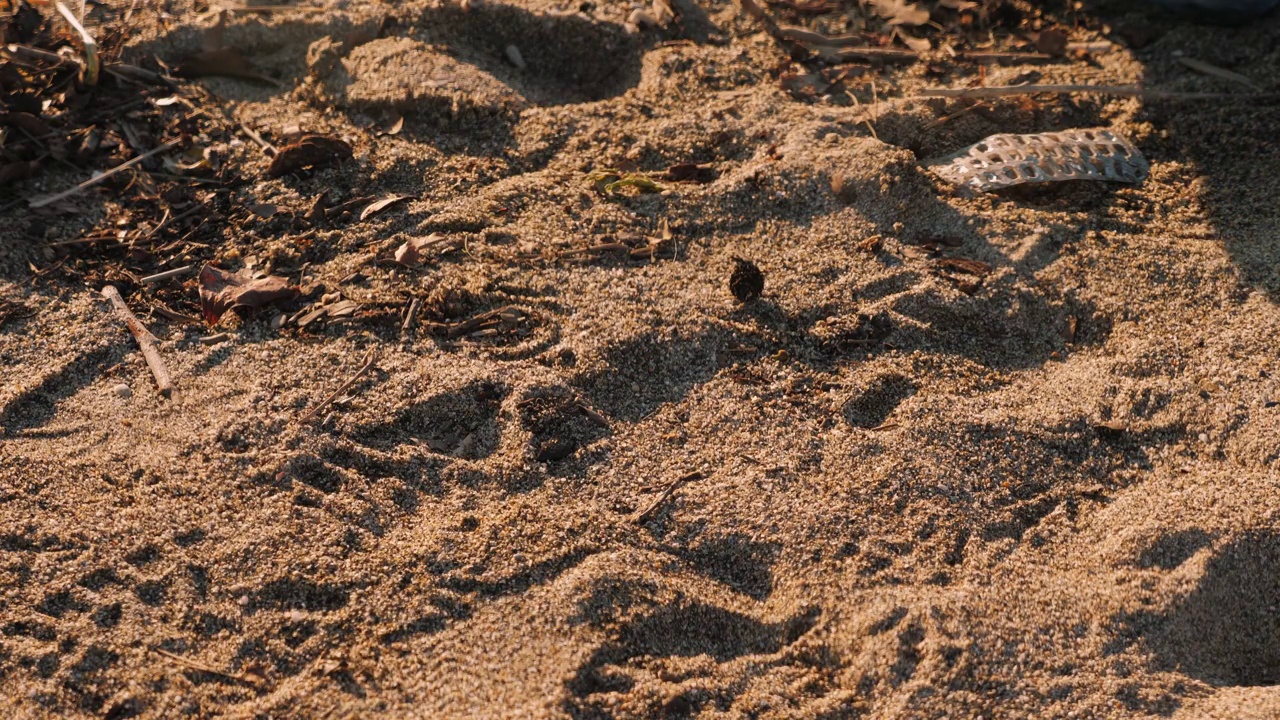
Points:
(364, 369)
(667, 492)
(145, 339)
(205, 668)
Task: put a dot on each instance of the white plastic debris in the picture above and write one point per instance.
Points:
(1002, 161)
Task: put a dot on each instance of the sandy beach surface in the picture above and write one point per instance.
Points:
(997, 455)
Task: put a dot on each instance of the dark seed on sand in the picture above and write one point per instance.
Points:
(747, 282)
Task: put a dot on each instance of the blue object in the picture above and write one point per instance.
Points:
(1220, 12)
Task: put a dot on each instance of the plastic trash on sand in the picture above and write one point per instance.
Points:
(1002, 161)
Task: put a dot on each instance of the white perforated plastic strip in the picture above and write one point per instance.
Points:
(1004, 160)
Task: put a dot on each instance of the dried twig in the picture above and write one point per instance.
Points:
(1204, 67)
(410, 316)
(268, 148)
(833, 47)
(26, 52)
(364, 369)
(215, 339)
(266, 9)
(145, 339)
(804, 36)
(845, 54)
(670, 490)
(1010, 57)
(168, 274)
(503, 320)
(201, 667)
(39, 202)
(1122, 90)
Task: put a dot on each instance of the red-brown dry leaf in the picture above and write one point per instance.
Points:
(309, 151)
(221, 291)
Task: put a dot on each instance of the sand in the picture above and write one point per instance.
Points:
(1049, 491)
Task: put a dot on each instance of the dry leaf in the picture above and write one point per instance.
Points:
(899, 12)
(958, 5)
(263, 210)
(410, 253)
(221, 291)
(310, 151)
(394, 127)
(383, 204)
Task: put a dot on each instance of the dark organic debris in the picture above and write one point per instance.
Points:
(964, 265)
(330, 310)
(747, 282)
(690, 172)
(222, 62)
(503, 321)
(380, 205)
(414, 250)
(310, 151)
(221, 291)
(1052, 42)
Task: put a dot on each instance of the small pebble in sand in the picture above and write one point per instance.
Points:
(747, 282)
(513, 55)
(123, 391)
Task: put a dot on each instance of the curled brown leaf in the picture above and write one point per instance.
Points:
(310, 151)
(221, 291)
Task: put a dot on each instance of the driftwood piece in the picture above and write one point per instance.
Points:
(145, 339)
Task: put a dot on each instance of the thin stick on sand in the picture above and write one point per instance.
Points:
(201, 667)
(410, 317)
(145, 339)
(1122, 90)
(168, 274)
(667, 492)
(39, 202)
(368, 364)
